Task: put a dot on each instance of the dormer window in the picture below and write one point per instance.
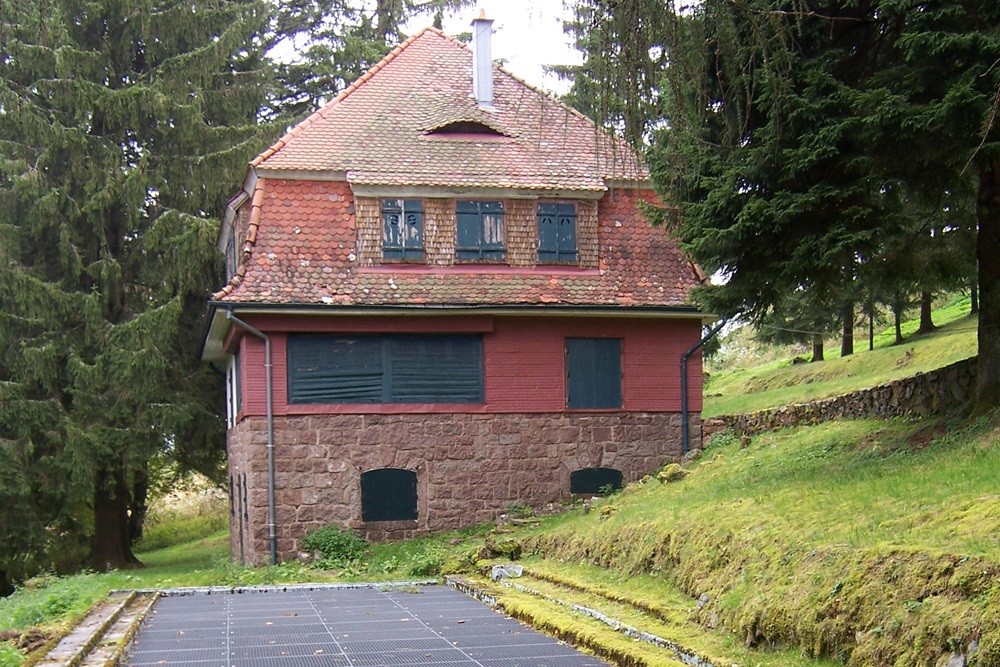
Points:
(467, 127)
(556, 233)
(480, 230)
(402, 230)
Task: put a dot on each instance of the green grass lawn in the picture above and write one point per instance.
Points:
(777, 383)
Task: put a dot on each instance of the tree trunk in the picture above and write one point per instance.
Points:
(6, 585)
(926, 323)
(817, 347)
(111, 548)
(847, 337)
(974, 298)
(897, 320)
(988, 256)
(137, 506)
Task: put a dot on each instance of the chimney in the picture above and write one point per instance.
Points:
(482, 60)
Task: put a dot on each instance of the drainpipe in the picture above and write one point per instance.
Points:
(272, 536)
(685, 420)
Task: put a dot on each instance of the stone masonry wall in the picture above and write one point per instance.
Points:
(941, 391)
(469, 466)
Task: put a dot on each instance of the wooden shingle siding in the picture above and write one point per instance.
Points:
(521, 233)
(586, 233)
(369, 223)
(439, 231)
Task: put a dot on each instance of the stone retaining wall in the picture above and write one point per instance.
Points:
(468, 466)
(937, 392)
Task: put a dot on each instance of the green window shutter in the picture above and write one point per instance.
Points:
(388, 494)
(328, 369)
(385, 369)
(593, 373)
(402, 229)
(556, 233)
(480, 230)
(436, 369)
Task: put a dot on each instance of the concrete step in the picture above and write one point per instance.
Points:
(102, 635)
(110, 648)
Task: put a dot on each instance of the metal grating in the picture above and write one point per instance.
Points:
(354, 627)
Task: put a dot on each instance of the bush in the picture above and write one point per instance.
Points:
(336, 547)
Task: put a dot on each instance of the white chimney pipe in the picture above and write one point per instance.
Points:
(482, 60)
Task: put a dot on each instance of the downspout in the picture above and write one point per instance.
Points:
(685, 419)
(272, 536)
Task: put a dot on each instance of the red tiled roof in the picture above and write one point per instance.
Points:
(306, 244)
(376, 130)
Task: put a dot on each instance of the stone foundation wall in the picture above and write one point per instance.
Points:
(937, 392)
(469, 466)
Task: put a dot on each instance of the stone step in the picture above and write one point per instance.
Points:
(75, 644)
(644, 649)
(110, 648)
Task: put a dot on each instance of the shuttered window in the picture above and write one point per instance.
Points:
(388, 494)
(480, 230)
(556, 233)
(402, 230)
(398, 368)
(593, 373)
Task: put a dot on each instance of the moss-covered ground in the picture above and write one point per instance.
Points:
(869, 542)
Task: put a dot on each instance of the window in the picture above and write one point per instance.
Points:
(593, 373)
(401, 368)
(595, 480)
(402, 230)
(234, 391)
(231, 263)
(556, 233)
(480, 230)
(389, 494)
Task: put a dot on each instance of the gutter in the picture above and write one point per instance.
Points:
(685, 417)
(272, 536)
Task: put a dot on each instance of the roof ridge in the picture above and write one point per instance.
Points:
(320, 113)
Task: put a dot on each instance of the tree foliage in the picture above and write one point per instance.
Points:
(123, 126)
(799, 135)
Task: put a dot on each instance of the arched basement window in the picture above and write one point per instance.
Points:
(595, 480)
(388, 494)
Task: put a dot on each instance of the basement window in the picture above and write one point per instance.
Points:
(389, 494)
(595, 481)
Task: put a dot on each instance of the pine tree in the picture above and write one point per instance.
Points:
(123, 127)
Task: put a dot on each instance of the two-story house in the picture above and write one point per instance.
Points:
(444, 298)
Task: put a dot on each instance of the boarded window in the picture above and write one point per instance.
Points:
(389, 494)
(403, 230)
(593, 373)
(595, 480)
(480, 230)
(399, 368)
(556, 233)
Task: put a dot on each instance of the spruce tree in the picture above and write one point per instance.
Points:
(797, 133)
(123, 128)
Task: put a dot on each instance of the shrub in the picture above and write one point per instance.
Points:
(337, 547)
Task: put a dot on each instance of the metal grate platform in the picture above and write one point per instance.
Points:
(349, 627)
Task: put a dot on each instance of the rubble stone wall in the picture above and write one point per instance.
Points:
(469, 466)
(940, 391)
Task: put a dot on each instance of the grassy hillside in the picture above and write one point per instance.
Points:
(734, 387)
(876, 543)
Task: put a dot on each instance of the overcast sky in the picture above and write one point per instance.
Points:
(527, 34)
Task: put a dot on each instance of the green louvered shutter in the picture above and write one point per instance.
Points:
(593, 373)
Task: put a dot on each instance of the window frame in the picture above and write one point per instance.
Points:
(589, 376)
(408, 248)
(472, 219)
(566, 250)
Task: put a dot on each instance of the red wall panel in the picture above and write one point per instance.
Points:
(524, 359)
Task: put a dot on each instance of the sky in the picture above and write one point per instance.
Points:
(527, 34)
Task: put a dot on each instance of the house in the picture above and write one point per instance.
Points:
(444, 298)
